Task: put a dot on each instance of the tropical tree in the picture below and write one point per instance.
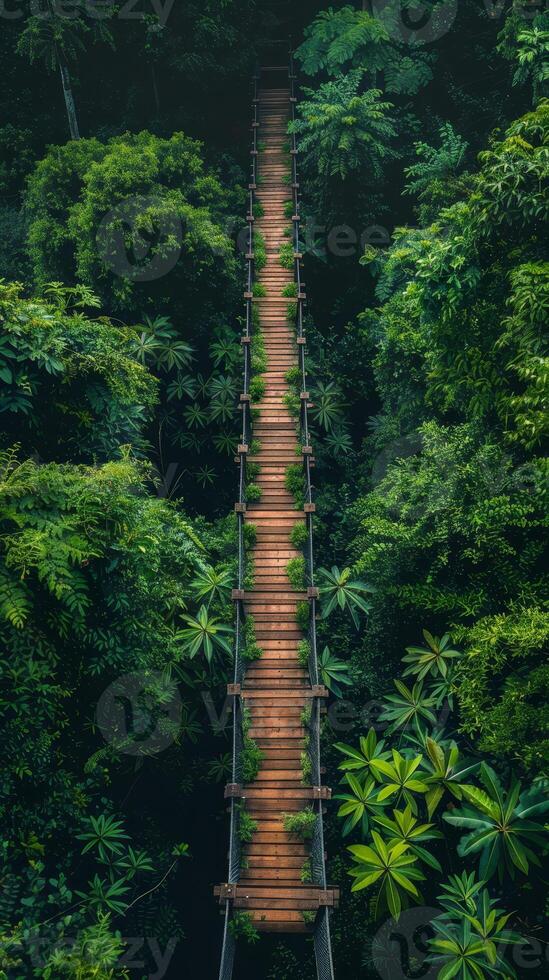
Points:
(501, 824)
(442, 762)
(406, 827)
(56, 38)
(327, 405)
(470, 933)
(363, 761)
(334, 672)
(359, 805)
(432, 659)
(205, 633)
(402, 778)
(408, 707)
(69, 382)
(342, 129)
(437, 178)
(212, 584)
(393, 866)
(344, 38)
(527, 45)
(338, 590)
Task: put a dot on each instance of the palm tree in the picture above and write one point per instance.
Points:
(56, 39)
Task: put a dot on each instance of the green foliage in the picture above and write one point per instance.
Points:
(292, 403)
(14, 260)
(205, 634)
(303, 615)
(291, 308)
(306, 768)
(260, 251)
(73, 197)
(253, 493)
(364, 760)
(257, 388)
(16, 158)
(252, 757)
(306, 874)
(259, 289)
(295, 484)
(452, 533)
(295, 570)
(252, 471)
(339, 442)
(327, 405)
(340, 39)
(501, 824)
(338, 590)
(401, 779)
(446, 772)
(250, 534)
(409, 706)
(95, 955)
(290, 289)
(293, 377)
(212, 584)
(299, 535)
(286, 255)
(242, 927)
(436, 178)
(439, 500)
(123, 217)
(247, 827)
(73, 382)
(434, 659)
(392, 865)
(470, 934)
(526, 43)
(407, 828)
(301, 823)
(306, 716)
(342, 129)
(502, 685)
(334, 672)
(251, 649)
(303, 652)
(259, 356)
(359, 805)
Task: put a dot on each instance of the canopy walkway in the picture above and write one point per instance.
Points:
(278, 877)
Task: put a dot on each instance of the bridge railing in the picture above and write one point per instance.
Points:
(322, 938)
(232, 791)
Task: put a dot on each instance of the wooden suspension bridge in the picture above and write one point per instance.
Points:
(277, 877)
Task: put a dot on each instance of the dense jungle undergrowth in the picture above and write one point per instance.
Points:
(124, 146)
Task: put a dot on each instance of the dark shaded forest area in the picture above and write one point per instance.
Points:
(125, 140)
